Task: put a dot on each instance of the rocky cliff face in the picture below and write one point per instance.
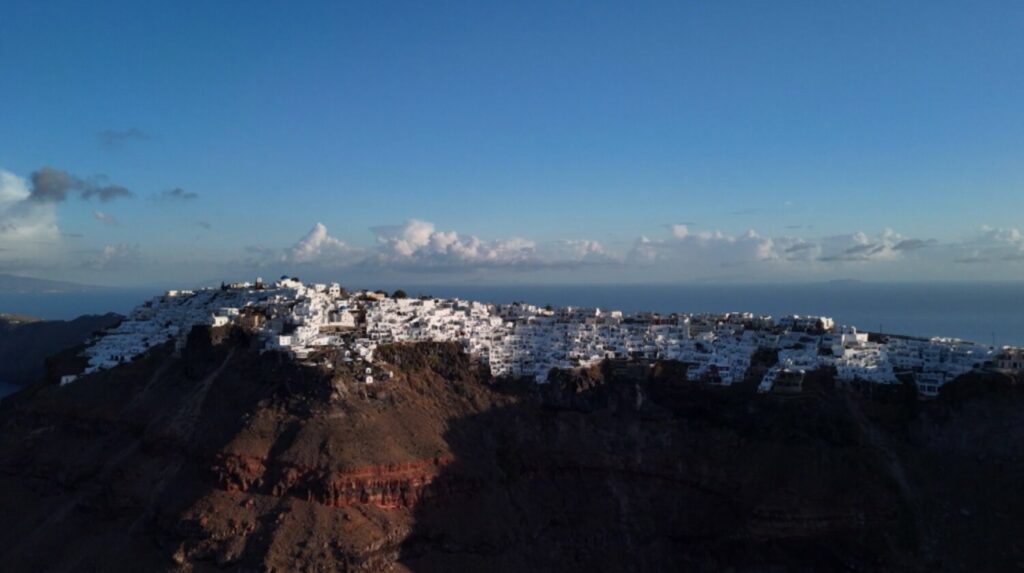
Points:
(226, 459)
(25, 344)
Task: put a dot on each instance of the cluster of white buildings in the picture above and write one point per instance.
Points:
(522, 340)
(929, 362)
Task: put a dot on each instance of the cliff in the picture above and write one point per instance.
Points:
(26, 343)
(227, 459)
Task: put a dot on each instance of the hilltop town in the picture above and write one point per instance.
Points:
(528, 341)
(300, 427)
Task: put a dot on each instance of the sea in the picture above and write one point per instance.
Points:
(985, 312)
(988, 313)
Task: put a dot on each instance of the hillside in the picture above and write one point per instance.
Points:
(26, 342)
(225, 459)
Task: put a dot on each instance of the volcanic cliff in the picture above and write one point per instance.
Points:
(26, 343)
(226, 459)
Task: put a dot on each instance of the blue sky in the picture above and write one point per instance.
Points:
(733, 141)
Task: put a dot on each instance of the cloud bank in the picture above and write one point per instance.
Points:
(681, 253)
(29, 231)
(31, 239)
(417, 246)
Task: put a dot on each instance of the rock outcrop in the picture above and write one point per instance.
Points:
(223, 458)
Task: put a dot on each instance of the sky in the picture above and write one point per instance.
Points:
(151, 143)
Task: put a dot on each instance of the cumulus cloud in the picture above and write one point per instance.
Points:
(707, 254)
(176, 194)
(680, 230)
(419, 246)
(991, 244)
(860, 247)
(23, 219)
(1011, 236)
(579, 251)
(49, 185)
(798, 247)
(418, 243)
(704, 248)
(320, 247)
(672, 253)
(111, 138)
(105, 218)
(29, 230)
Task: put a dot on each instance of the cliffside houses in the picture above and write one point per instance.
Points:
(523, 340)
(1010, 359)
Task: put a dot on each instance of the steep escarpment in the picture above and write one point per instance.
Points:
(25, 344)
(224, 458)
(614, 469)
(209, 458)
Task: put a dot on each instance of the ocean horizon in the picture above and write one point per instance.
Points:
(988, 313)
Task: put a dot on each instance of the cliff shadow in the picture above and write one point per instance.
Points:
(626, 468)
(113, 472)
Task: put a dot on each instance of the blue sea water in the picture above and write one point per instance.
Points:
(983, 312)
(68, 305)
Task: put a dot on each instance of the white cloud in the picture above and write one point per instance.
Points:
(712, 254)
(679, 231)
(1011, 236)
(860, 247)
(22, 220)
(704, 248)
(12, 188)
(321, 248)
(418, 243)
(30, 240)
(993, 245)
(580, 251)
